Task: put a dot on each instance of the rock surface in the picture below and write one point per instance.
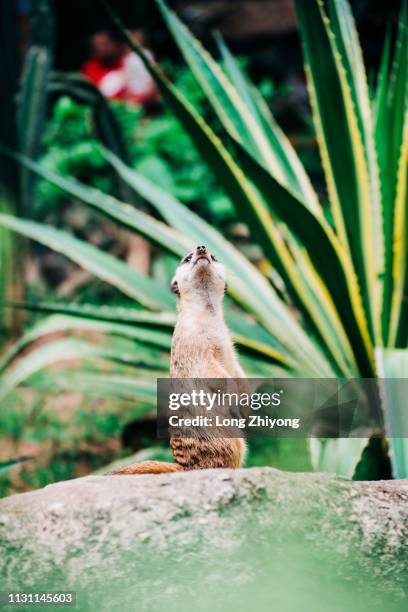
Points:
(214, 539)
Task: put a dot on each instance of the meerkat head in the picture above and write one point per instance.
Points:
(199, 272)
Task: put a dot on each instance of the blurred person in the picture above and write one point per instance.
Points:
(118, 72)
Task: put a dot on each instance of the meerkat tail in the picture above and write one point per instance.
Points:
(147, 467)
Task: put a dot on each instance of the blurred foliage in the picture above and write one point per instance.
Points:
(72, 149)
(57, 438)
(158, 147)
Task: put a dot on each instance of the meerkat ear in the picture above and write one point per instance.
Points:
(174, 287)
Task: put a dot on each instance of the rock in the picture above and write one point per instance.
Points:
(215, 539)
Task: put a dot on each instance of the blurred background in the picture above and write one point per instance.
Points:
(76, 400)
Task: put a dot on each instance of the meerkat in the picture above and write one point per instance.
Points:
(201, 348)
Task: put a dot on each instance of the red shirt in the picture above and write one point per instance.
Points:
(126, 79)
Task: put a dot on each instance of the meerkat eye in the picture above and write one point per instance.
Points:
(213, 258)
(188, 258)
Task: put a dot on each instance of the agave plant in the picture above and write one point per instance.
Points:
(342, 261)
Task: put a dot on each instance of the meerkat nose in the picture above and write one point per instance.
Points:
(201, 249)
